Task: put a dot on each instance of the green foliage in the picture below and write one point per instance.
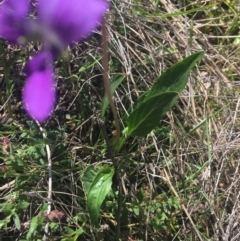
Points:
(72, 235)
(97, 185)
(175, 78)
(162, 209)
(26, 163)
(12, 208)
(33, 226)
(154, 104)
(147, 115)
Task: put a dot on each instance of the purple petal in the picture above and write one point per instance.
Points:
(39, 62)
(71, 20)
(39, 95)
(16, 8)
(12, 19)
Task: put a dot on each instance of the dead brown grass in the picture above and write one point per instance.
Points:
(145, 47)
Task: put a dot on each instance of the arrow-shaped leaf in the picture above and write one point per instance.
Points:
(148, 114)
(175, 78)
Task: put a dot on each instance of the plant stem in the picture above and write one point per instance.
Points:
(49, 198)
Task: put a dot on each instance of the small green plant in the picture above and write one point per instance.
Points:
(150, 108)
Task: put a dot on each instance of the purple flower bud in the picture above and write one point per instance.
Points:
(39, 95)
(39, 92)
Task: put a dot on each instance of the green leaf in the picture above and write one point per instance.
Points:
(33, 226)
(175, 78)
(6, 208)
(148, 114)
(79, 231)
(88, 177)
(98, 191)
(89, 65)
(113, 86)
(140, 99)
(17, 221)
(4, 222)
(76, 234)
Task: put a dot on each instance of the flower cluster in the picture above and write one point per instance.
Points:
(59, 23)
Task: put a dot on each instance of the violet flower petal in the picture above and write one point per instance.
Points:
(39, 94)
(17, 8)
(71, 20)
(39, 62)
(12, 19)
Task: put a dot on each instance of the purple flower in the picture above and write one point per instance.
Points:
(39, 93)
(12, 19)
(59, 23)
(70, 20)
